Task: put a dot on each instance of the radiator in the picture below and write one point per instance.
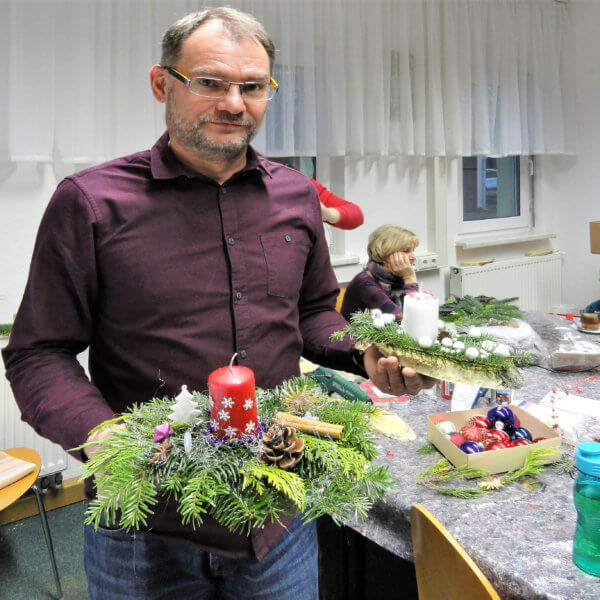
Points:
(535, 280)
(16, 433)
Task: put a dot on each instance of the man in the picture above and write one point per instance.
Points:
(165, 263)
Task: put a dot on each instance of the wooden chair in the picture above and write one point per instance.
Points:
(340, 299)
(444, 570)
(11, 493)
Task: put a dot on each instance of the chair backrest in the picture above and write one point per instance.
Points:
(444, 570)
(340, 299)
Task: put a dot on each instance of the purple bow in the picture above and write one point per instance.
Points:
(162, 432)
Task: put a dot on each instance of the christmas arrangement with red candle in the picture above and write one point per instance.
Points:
(232, 402)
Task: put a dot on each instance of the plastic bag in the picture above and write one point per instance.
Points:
(559, 346)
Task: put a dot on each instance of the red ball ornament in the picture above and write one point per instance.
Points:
(472, 433)
(496, 435)
(538, 439)
(497, 446)
(480, 421)
(519, 442)
(457, 439)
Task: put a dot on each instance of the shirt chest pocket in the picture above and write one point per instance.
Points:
(285, 257)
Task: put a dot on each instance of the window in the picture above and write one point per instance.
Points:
(495, 194)
(304, 164)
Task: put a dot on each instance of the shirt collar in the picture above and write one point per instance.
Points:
(165, 165)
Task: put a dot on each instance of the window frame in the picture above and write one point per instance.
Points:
(521, 222)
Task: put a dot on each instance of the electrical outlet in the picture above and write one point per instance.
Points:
(424, 262)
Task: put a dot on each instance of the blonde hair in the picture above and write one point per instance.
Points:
(387, 239)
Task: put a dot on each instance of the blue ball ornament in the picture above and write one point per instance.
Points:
(471, 447)
(520, 433)
(501, 413)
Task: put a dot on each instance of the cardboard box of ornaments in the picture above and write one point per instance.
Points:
(493, 461)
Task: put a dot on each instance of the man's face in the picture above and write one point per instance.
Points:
(216, 128)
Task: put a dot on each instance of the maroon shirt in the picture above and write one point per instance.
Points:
(164, 274)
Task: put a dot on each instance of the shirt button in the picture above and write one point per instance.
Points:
(239, 295)
(243, 354)
(223, 190)
(287, 238)
(231, 241)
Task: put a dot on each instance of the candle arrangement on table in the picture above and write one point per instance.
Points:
(421, 315)
(232, 400)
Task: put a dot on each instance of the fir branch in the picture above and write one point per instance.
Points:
(534, 463)
(427, 448)
(441, 466)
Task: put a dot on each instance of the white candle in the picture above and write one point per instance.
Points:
(421, 315)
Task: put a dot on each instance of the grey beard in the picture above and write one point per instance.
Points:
(191, 135)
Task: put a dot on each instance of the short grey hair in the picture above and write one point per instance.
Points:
(239, 25)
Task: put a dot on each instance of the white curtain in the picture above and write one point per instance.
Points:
(362, 77)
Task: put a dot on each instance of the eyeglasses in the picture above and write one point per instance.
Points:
(216, 88)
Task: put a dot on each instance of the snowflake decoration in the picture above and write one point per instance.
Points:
(250, 426)
(228, 402)
(248, 404)
(223, 415)
(230, 432)
(214, 424)
(495, 483)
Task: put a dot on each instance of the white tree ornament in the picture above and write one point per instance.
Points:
(184, 410)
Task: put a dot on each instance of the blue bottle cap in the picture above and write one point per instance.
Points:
(587, 458)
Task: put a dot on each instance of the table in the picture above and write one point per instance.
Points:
(521, 540)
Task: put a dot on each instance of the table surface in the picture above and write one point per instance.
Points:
(522, 540)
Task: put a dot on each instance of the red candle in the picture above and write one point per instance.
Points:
(232, 402)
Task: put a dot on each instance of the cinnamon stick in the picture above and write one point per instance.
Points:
(318, 428)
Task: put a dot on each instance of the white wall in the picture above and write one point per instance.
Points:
(25, 189)
(568, 188)
(390, 191)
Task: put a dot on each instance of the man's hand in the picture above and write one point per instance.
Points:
(399, 264)
(387, 377)
(99, 435)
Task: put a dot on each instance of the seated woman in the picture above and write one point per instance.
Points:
(389, 275)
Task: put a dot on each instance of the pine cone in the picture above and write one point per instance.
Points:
(281, 447)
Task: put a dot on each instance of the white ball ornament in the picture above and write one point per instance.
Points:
(488, 345)
(441, 324)
(425, 341)
(475, 332)
(389, 317)
(447, 342)
(472, 353)
(446, 427)
(376, 313)
(379, 323)
(458, 345)
(502, 350)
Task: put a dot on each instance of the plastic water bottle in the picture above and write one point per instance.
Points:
(586, 544)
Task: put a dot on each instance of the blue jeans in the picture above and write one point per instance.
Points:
(144, 566)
